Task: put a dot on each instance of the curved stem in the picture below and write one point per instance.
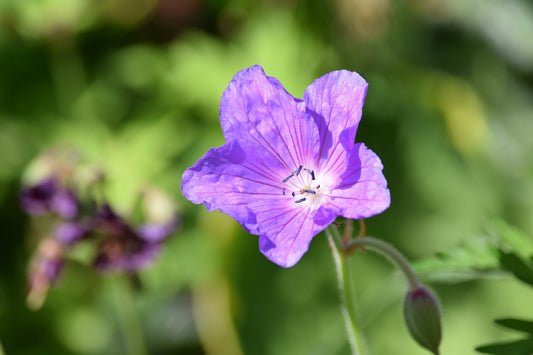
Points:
(345, 285)
(389, 253)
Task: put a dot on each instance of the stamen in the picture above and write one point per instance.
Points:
(318, 187)
(287, 178)
(297, 171)
(300, 200)
(293, 194)
(310, 192)
(311, 172)
(283, 191)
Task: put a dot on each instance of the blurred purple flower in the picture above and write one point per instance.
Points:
(124, 248)
(289, 166)
(49, 196)
(70, 232)
(155, 232)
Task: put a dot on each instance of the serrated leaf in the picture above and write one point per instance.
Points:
(511, 239)
(518, 347)
(521, 269)
(474, 258)
(516, 324)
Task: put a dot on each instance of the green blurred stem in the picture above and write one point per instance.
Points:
(345, 285)
(389, 253)
(1, 349)
(127, 315)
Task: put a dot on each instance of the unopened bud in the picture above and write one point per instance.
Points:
(422, 315)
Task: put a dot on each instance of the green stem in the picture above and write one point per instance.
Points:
(389, 253)
(128, 318)
(1, 349)
(345, 285)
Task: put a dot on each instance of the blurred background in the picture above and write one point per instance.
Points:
(134, 86)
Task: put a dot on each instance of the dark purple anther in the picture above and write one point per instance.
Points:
(311, 172)
(287, 178)
(300, 200)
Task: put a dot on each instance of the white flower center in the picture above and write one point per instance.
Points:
(303, 187)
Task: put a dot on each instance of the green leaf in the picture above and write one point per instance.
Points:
(516, 324)
(511, 239)
(474, 258)
(518, 347)
(518, 266)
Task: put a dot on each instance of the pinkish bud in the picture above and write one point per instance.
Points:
(422, 315)
(44, 269)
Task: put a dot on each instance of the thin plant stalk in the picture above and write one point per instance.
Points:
(348, 301)
(389, 253)
(128, 317)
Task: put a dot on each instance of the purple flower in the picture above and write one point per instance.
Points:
(49, 196)
(289, 166)
(70, 232)
(124, 248)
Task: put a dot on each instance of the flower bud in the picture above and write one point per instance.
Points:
(422, 315)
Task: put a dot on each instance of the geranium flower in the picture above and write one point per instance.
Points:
(289, 166)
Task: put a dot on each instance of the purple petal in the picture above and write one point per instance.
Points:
(260, 114)
(64, 203)
(70, 232)
(287, 232)
(34, 199)
(232, 180)
(156, 232)
(363, 191)
(336, 102)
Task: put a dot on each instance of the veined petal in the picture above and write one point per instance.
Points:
(232, 180)
(256, 109)
(336, 102)
(362, 191)
(287, 232)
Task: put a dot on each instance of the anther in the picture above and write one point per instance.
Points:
(297, 171)
(310, 192)
(300, 200)
(311, 172)
(283, 191)
(293, 194)
(287, 178)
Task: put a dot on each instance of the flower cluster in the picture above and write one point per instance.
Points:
(289, 166)
(118, 244)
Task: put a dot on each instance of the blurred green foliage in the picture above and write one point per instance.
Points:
(134, 86)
